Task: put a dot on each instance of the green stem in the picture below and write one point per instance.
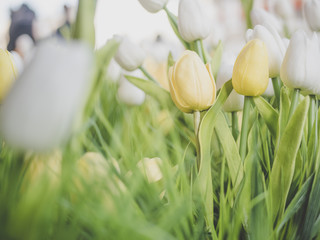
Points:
(244, 127)
(294, 102)
(276, 88)
(316, 132)
(203, 52)
(173, 22)
(199, 50)
(311, 116)
(147, 74)
(196, 121)
(235, 126)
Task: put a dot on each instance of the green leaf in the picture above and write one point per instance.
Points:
(247, 6)
(284, 162)
(284, 112)
(152, 89)
(230, 150)
(83, 28)
(295, 204)
(204, 179)
(313, 209)
(268, 113)
(216, 60)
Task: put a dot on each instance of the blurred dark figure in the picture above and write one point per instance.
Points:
(21, 23)
(67, 21)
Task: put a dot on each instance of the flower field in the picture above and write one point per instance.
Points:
(102, 143)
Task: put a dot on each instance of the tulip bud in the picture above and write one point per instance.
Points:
(312, 14)
(113, 71)
(192, 85)
(153, 6)
(192, 21)
(129, 55)
(151, 168)
(235, 101)
(300, 67)
(39, 111)
(7, 72)
(129, 93)
(269, 92)
(274, 44)
(250, 75)
(260, 16)
(284, 8)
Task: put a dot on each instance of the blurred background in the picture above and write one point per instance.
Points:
(25, 22)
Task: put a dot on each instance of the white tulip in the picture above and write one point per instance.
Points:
(284, 8)
(193, 21)
(300, 67)
(41, 108)
(260, 16)
(269, 91)
(153, 6)
(286, 42)
(151, 168)
(312, 14)
(274, 43)
(129, 93)
(129, 55)
(235, 101)
(113, 71)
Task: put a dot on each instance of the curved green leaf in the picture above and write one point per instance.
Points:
(230, 150)
(284, 162)
(204, 179)
(268, 113)
(151, 89)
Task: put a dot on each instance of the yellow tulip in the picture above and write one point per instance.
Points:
(192, 86)
(250, 75)
(7, 72)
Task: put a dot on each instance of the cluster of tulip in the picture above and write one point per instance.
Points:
(267, 65)
(266, 181)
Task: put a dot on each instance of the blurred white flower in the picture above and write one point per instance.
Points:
(193, 21)
(312, 14)
(129, 93)
(40, 110)
(129, 55)
(274, 43)
(18, 61)
(284, 9)
(300, 67)
(269, 91)
(286, 42)
(150, 167)
(260, 16)
(153, 6)
(113, 71)
(235, 101)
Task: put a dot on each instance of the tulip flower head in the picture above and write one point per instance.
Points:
(300, 67)
(312, 14)
(129, 55)
(274, 44)
(192, 21)
(250, 75)
(8, 72)
(269, 92)
(129, 93)
(235, 101)
(192, 86)
(153, 6)
(260, 16)
(41, 108)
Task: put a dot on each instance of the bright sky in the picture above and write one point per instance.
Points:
(112, 17)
